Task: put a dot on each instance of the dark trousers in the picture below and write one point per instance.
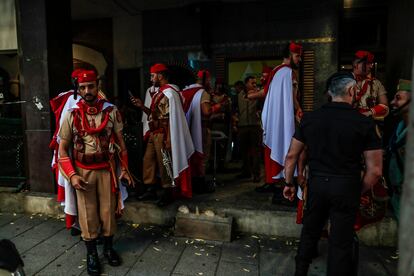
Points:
(337, 199)
(250, 147)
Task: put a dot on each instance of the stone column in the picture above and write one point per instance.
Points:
(406, 227)
(45, 62)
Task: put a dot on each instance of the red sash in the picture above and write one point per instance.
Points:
(188, 95)
(272, 74)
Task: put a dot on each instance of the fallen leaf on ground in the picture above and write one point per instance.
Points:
(156, 249)
(135, 225)
(198, 254)
(255, 237)
(81, 266)
(245, 269)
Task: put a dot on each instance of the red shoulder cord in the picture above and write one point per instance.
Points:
(87, 128)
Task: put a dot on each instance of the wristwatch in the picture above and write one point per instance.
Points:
(290, 185)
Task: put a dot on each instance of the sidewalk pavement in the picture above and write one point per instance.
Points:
(47, 248)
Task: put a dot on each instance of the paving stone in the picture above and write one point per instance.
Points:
(72, 262)
(37, 234)
(235, 268)
(48, 249)
(242, 250)
(389, 258)
(369, 263)
(42, 254)
(279, 263)
(22, 224)
(199, 258)
(6, 218)
(159, 258)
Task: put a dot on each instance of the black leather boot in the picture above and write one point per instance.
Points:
(92, 258)
(266, 188)
(149, 195)
(109, 253)
(166, 197)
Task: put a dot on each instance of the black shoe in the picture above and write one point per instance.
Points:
(75, 231)
(109, 253)
(150, 195)
(166, 198)
(92, 260)
(266, 188)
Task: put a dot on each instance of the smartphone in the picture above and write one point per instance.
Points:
(130, 93)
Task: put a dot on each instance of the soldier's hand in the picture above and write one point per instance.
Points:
(289, 193)
(137, 102)
(78, 182)
(126, 176)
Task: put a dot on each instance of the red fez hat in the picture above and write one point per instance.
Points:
(295, 48)
(86, 76)
(76, 72)
(266, 69)
(158, 67)
(200, 74)
(368, 56)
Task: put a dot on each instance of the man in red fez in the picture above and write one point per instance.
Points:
(198, 109)
(281, 108)
(371, 99)
(92, 128)
(169, 146)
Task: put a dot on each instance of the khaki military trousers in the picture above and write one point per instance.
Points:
(153, 161)
(96, 204)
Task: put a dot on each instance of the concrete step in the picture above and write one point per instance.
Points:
(273, 222)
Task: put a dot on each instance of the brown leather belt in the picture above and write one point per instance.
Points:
(91, 158)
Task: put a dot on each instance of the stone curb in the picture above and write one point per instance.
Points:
(273, 223)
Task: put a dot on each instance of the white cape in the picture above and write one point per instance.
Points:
(278, 118)
(181, 143)
(193, 116)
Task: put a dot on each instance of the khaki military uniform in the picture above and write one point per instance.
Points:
(250, 134)
(374, 89)
(159, 132)
(97, 203)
